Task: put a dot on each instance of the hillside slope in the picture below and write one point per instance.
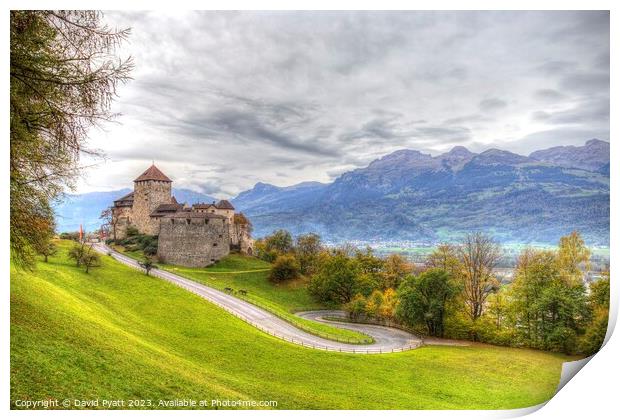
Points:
(117, 334)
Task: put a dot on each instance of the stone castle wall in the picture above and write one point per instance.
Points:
(196, 241)
(147, 196)
(121, 220)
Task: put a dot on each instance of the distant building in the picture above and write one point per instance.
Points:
(193, 236)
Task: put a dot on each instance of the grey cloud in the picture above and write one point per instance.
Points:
(467, 119)
(492, 104)
(588, 113)
(550, 95)
(540, 116)
(587, 83)
(227, 99)
(555, 67)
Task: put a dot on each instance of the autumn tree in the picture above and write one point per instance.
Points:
(395, 269)
(307, 250)
(63, 77)
(445, 258)
(573, 257)
(374, 304)
(478, 256)
(598, 302)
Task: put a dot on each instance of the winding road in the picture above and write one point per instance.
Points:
(387, 340)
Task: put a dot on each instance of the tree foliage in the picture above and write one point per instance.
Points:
(574, 257)
(336, 280)
(84, 256)
(596, 329)
(445, 258)
(395, 269)
(307, 250)
(478, 256)
(63, 77)
(284, 268)
(423, 299)
(147, 265)
(549, 303)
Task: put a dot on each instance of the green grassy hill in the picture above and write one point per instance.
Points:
(117, 334)
(251, 274)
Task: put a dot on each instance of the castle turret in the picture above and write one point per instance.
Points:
(151, 189)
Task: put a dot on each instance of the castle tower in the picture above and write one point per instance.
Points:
(151, 189)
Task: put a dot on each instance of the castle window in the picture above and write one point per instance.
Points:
(188, 221)
(220, 236)
(172, 221)
(215, 244)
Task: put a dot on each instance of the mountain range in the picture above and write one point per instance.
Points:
(412, 196)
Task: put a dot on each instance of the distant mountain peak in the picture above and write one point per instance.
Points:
(495, 156)
(593, 156)
(459, 150)
(263, 186)
(405, 154)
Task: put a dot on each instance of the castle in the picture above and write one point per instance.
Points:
(191, 236)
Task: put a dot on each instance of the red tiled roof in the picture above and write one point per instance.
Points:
(124, 201)
(126, 197)
(224, 205)
(152, 174)
(203, 205)
(192, 215)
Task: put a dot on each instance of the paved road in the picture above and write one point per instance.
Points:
(386, 339)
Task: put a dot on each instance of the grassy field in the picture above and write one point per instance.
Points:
(117, 334)
(250, 274)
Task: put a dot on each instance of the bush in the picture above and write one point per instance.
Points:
(284, 268)
(150, 249)
(74, 236)
(594, 337)
(135, 241)
(132, 231)
(356, 309)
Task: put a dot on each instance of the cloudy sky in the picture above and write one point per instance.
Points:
(221, 101)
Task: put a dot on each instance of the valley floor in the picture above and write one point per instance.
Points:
(118, 334)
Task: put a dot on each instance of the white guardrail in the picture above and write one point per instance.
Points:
(181, 282)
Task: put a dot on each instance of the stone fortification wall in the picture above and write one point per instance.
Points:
(121, 220)
(192, 239)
